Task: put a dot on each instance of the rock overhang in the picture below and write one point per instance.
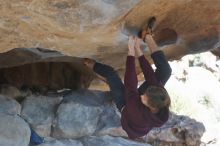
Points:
(96, 29)
(43, 70)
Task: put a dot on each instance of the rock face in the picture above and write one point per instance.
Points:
(66, 25)
(94, 141)
(84, 117)
(10, 106)
(14, 131)
(76, 119)
(89, 116)
(96, 29)
(62, 143)
(38, 111)
(110, 141)
(180, 129)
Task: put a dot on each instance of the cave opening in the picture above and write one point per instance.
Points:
(42, 70)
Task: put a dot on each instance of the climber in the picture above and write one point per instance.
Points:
(148, 106)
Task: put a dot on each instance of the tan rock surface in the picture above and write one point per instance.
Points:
(98, 28)
(92, 28)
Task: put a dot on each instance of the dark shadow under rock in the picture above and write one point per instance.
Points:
(42, 70)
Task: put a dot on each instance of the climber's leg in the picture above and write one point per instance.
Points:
(117, 89)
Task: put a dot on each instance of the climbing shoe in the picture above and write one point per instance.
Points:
(147, 28)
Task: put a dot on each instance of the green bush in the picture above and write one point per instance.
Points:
(183, 105)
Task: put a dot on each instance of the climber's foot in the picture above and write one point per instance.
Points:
(89, 62)
(148, 28)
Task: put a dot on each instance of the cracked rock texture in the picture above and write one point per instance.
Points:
(98, 28)
(51, 37)
(84, 117)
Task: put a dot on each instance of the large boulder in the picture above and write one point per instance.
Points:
(95, 29)
(84, 113)
(110, 141)
(9, 105)
(178, 129)
(77, 115)
(110, 123)
(14, 131)
(94, 141)
(39, 112)
(64, 142)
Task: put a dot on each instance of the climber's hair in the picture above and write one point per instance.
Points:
(158, 97)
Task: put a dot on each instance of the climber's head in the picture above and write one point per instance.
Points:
(155, 98)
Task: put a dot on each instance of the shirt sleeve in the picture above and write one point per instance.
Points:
(163, 69)
(130, 79)
(148, 71)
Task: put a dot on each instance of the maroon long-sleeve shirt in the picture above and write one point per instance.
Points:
(137, 119)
